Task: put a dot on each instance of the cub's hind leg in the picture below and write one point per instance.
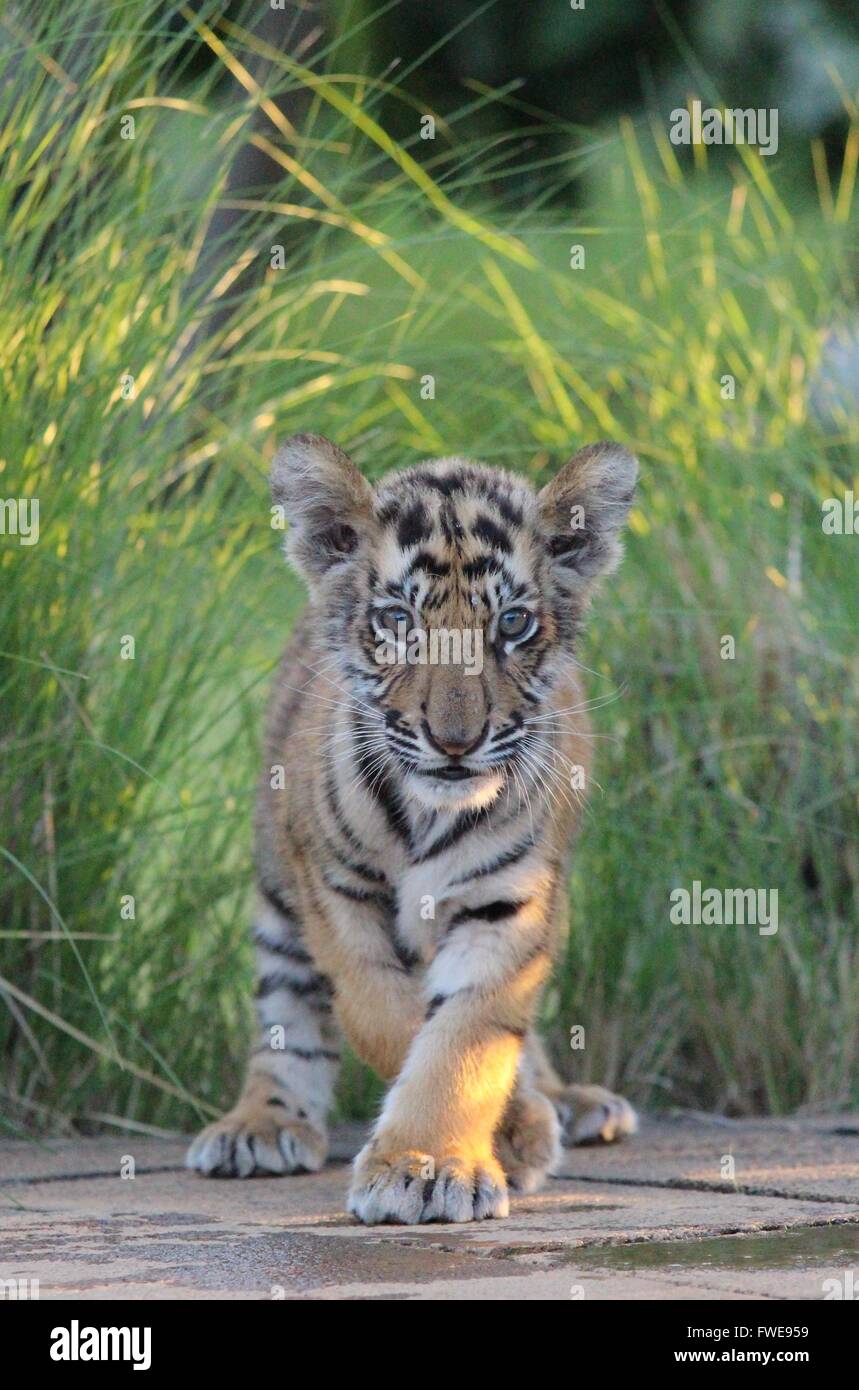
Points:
(279, 1123)
(528, 1139)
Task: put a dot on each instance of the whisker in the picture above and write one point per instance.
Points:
(350, 694)
(542, 769)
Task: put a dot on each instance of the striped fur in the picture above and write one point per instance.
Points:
(413, 868)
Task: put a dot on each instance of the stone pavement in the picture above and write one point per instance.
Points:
(692, 1207)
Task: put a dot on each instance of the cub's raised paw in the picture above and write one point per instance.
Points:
(528, 1142)
(409, 1189)
(257, 1140)
(593, 1115)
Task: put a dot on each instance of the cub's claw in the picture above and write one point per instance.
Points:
(593, 1115)
(251, 1142)
(410, 1189)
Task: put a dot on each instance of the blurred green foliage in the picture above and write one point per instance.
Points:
(581, 65)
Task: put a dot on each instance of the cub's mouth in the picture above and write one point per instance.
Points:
(450, 774)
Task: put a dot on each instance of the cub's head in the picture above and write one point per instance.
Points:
(448, 600)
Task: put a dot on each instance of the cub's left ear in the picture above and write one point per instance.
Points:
(584, 507)
(327, 501)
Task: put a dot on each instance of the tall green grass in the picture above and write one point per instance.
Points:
(133, 778)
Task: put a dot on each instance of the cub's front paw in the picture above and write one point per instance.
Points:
(411, 1188)
(593, 1115)
(256, 1140)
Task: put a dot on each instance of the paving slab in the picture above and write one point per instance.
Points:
(23, 1160)
(815, 1158)
(650, 1219)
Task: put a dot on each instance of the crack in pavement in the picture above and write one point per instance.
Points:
(81, 1177)
(703, 1185)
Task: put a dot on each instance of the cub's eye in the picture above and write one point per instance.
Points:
(390, 620)
(515, 622)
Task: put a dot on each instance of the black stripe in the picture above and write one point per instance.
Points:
(487, 530)
(407, 958)
(461, 826)
(445, 483)
(310, 1054)
(355, 866)
(516, 590)
(383, 792)
(541, 949)
(496, 911)
(306, 1054)
(510, 856)
(436, 600)
(511, 514)
(304, 989)
(484, 564)
(389, 513)
(538, 655)
(524, 691)
(451, 526)
(403, 745)
(283, 948)
(429, 1188)
(373, 898)
(439, 999)
(387, 903)
(424, 560)
(271, 983)
(414, 525)
(339, 814)
(275, 899)
(505, 735)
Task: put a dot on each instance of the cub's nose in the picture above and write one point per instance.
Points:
(452, 745)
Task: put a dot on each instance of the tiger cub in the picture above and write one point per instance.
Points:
(413, 861)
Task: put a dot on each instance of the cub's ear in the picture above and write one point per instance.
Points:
(584, 507)
(327, 502)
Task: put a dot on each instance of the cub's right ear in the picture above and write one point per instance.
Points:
(327, 501)
(600, 481)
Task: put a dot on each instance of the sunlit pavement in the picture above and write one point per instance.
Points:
(691, 1208)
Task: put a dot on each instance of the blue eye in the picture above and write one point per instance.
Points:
(391, 619)
(515, 622)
